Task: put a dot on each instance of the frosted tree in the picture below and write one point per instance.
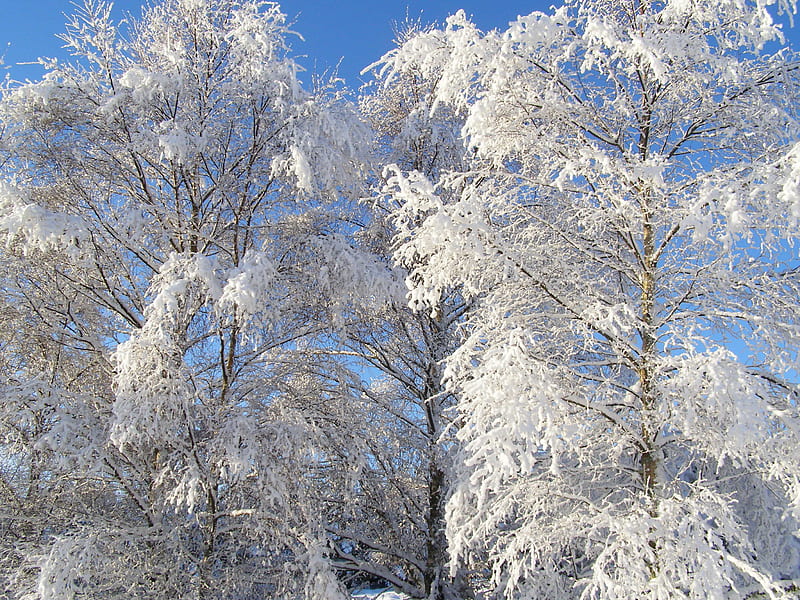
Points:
(626, 227)
(37, 376)
(392, 526)
(171, 199)
(407, 348)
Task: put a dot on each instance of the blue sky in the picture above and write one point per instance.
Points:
(356, 31)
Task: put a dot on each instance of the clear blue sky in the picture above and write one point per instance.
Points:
(356, 31)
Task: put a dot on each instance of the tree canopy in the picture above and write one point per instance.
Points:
(217, 385)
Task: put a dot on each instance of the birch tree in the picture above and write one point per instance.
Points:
(410, 451)
(626, 227)
(169, 199)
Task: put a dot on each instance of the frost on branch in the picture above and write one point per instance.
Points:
(37, 228)
(321, 582)
(783, 181)
(695, 544)
(353, 277)
(152, 390)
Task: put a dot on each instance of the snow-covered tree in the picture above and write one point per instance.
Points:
(392, 526)
(172, 197)
(626, 225)
(398, 512)
(37, 375)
